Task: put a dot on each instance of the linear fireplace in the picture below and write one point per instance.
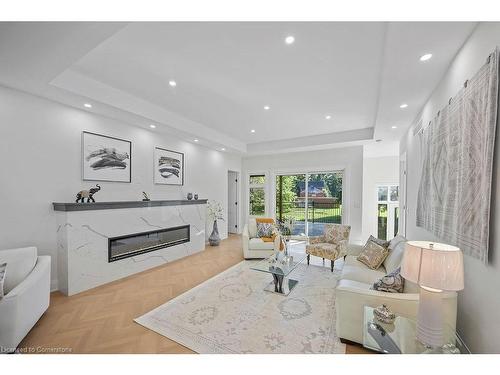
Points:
(134, 244)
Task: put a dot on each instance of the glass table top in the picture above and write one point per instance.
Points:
(400, 337)
(281, 266)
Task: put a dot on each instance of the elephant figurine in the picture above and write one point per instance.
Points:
(89, 194)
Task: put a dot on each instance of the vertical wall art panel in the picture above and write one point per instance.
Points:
(455, 187)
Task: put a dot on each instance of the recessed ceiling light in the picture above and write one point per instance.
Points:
(404, 105)
(328, 117)
(426, 57)
(172, 83)
(152, 126)
(196, 140)
(252, 131)
(394, 127)
(87, 105)
(223, 149)
(289, 39)
(267, 108)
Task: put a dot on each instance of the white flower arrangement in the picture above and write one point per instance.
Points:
(286, 226)
(215, 211)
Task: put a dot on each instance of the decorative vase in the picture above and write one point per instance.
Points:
(214, 238)
(190, 196)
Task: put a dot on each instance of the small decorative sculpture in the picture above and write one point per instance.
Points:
(145, 197)
(384, 314)
(196, 197)
(89, 194)
(190, 196)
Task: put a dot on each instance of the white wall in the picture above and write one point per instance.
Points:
(376, 171)
(479, 303)
(40, 163)
(350, 159)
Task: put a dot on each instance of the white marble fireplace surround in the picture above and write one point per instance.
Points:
(83, 231)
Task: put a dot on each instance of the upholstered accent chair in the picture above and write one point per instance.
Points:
(331, 245)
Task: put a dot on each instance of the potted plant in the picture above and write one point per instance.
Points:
(215, 212)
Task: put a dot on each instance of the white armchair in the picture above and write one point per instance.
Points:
(27, 294)
(253, 246)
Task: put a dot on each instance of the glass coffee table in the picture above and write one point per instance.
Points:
(400, 337)
(280, 269)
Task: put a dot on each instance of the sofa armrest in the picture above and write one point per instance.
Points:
(354, 250)
(245, 238)
(352, 297)
(21, 308)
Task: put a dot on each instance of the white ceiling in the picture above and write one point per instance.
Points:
(359, 73)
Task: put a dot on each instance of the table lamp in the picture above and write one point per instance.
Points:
(435, 267)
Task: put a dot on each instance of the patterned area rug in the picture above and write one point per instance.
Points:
(231, 313)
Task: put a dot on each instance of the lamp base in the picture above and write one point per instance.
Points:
(430, 317)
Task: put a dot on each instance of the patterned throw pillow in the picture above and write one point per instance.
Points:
(378, 241)
(373, 255)
(3, 267)
(392, 282)
(265, 229)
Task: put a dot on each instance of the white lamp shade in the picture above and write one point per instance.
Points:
(433, 265)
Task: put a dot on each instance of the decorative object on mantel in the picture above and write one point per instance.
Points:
(146, 197)
(435, 267)
(196, 197)
(190, 196)
(89, 194)
(106, 158)
(215, 212)
(456, 184)
(384, 314)
(168, 167)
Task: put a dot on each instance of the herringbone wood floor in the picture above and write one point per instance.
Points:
(101, 320)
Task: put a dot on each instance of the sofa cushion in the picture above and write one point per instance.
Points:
(258, 244)
(20, 262)
(252, 227)
(356, 271)
(395, 256)
(265, 230)
(373, 255)
(392, 282)
(378, 241)
(394, 242)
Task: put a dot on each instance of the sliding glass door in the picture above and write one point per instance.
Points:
(312, 199)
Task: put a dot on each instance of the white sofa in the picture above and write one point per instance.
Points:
(353, 293)
(253, 246)
(26, 294)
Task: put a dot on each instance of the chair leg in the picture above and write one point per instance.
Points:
(331, 265)
(308, 257)
(345, 256)
(323, 261)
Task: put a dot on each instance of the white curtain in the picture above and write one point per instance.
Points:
(458, 146)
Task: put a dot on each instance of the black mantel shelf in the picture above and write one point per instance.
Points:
(123, 204)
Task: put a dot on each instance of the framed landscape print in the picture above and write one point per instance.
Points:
(168, 167)
(106, 158)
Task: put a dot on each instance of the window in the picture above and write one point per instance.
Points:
(257, 195)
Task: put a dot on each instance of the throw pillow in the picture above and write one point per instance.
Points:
(3, 267)
(392, 282)
(373, 255)
(378, 241)
(265, 229)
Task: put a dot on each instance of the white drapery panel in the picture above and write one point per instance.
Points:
(455, 187)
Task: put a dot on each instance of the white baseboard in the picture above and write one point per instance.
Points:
(54, 285)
